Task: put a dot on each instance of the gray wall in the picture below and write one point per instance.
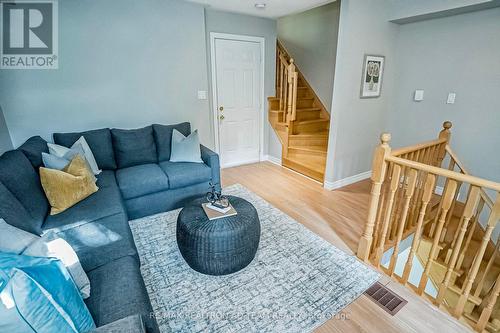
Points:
(357, 123)
(218, 21)
(5, 141)
(311, 38)
(402, 9)
(456, 54)
(123, 63)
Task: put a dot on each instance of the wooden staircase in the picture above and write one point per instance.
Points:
(451, 230)
(299, 119)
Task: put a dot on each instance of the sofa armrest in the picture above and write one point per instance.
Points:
(212, 160)
(130, 324)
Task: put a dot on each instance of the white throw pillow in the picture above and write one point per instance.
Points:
(14, 240)
(49, 245)
(61, 151)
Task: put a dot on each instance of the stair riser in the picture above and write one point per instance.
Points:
(299, 168)
(320, 141)
(274, 104)
(275, 117)
(308, 152)
(310, 128)
(303, 93)
(305, 103)
(452, 299)
(308, 115)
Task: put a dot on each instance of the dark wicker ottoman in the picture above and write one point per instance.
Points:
(222, 246)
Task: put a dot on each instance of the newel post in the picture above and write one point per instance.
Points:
(289, 101)
(379, 168)
(444, 134)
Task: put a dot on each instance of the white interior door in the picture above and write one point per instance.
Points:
(238, 100)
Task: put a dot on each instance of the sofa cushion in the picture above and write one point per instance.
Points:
(134, 147)
(22, 180)
(100, 241)
(99, 141)
(118, 291)
(164, 201)
(163, 138)
(181, 174)
(33, 149)
(140, 180)
(105, 202)
(13, 212)
(106, 179)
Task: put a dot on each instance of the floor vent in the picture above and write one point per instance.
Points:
(385, 298)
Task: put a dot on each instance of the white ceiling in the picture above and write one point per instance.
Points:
(274, 8)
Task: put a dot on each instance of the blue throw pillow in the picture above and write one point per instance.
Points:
(38, 295)
(54, 162)
(185, 148)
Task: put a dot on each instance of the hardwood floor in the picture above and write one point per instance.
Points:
(339, 217)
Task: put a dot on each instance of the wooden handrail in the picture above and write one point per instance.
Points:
(286, 85)
(420, 146)
(446, 173)
(487, 200)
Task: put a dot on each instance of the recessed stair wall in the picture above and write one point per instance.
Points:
(299, 119)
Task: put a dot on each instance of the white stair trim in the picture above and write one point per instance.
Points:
(346, 181)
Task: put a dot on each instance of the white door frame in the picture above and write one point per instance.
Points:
(215, 111)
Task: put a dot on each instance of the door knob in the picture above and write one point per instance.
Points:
(221, 117)
(221, 108)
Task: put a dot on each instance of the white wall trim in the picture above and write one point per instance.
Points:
(239, 163)
(261, 41)
(347, 181)
(272, 159)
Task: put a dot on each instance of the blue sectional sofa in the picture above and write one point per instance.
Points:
(137, 180)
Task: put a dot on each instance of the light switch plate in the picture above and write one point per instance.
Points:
(202, 94)
(419, 96)
(451, 98)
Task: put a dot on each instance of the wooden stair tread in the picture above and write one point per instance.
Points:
(312, 121)
(298, 87)
(456, 272)
(305, 166)
(312, 148)
(472, 298)
(441, 245)
(311, 135)
(315, 163)
(308, 109)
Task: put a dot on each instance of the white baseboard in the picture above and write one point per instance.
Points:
(272, 159)
(235, 164)
(347, 181)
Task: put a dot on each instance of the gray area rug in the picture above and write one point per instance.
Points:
(296, 282)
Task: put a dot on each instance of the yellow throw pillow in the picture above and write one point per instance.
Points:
(68, 187)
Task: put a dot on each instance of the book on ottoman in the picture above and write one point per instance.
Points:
(214, 212)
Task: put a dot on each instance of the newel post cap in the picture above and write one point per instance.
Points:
(385, 138)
